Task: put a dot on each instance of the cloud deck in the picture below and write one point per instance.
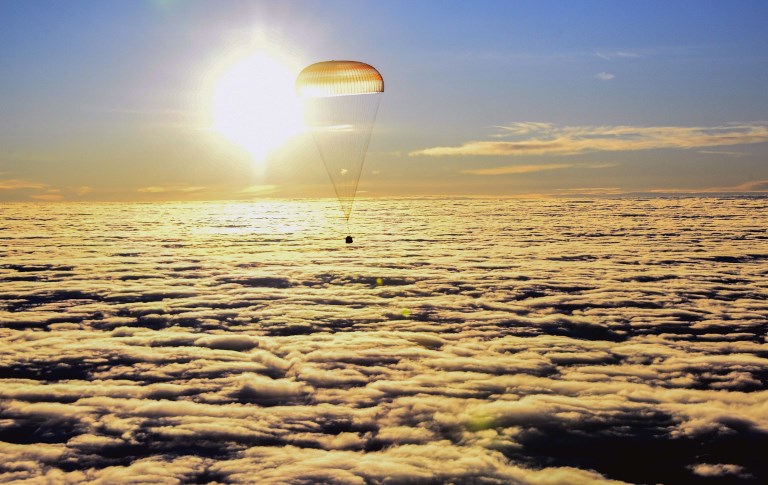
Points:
(457, 341)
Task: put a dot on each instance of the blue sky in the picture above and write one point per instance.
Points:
(101, 99)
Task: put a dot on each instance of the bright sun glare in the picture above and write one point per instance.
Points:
(254, 104)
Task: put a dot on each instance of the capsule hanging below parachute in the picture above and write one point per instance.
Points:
(341, 99)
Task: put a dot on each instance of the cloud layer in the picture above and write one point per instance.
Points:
(463, 341)
(547, 139)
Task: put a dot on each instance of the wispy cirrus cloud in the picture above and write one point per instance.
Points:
(33, 190)
(723, 153)
(520, 169)
(522, 128)
(16, 184)
(549, 139)
(41, 190)
(50, 196)
(609, 56)
(605, 76)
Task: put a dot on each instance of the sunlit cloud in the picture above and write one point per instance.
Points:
(51, 196)
(723, 153)
(718, 470)
(14, 184)
(523, 128)
(165, 189)
(518, 169)
(605, 76)
(31, 189)
(546, 139)
(521, 169)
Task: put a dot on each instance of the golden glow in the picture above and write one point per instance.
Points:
(254, 105)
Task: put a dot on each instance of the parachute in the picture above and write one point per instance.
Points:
(341, 99)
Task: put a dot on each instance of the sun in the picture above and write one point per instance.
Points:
(254, 105)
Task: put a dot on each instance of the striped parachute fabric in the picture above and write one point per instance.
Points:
(338, 78)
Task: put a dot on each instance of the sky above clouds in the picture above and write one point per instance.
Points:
(113, 101)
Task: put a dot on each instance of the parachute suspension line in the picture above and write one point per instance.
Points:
(341, 128)
(337, 188)
(341, 103)
(364, 148)
(319, 145)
